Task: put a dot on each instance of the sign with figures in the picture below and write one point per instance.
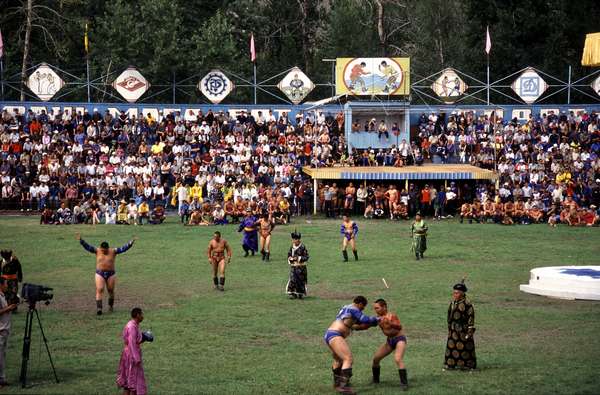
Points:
(372, 76)
(44, 82)
(596, 85)
(215, 86)
(131, 84)
(449, 86)
(296, 85)
(529, 86)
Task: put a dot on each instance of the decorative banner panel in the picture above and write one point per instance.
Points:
(449, 86)
(596, 85)
(372, 76)
(296, 85)
(44, 82)
(529, 86)
(131, 84)
(215, 86)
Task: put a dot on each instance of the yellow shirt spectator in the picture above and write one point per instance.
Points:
(196, 192)
(143, 209)
(158, 148)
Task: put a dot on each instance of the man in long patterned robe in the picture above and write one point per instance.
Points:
(460, 347)
(297, 257)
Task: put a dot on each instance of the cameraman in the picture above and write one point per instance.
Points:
(5, 313)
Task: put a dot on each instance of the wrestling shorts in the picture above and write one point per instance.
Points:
(105, 274)
(330, 334)
(393, 341)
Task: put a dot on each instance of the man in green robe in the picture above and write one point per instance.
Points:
(419, 235)
(460, 346)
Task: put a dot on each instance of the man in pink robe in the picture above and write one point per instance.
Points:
(131, 370)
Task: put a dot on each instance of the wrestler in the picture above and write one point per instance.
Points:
(216, 257)
(349, 202)
(520, 213)
(392, 197)
(349, 230)
(230, 213)
(498, 209)
(395, 343)
(105, 269)
(349, 318)
(465, 212)
(265, 227)
(488, 211)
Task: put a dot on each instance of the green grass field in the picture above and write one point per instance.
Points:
(252, 340)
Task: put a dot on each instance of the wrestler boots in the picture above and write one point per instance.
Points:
(337, 374)
(221, 284)
(268, 256)
(376, 373)
(216, 282)
(345, 255)
(403, 379)
(355, 255)
(264, 254)
(344, 386)
(99, 307)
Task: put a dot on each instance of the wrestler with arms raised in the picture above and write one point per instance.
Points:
(216, 257)
(349, 318)
(105, 269)
(395, 343)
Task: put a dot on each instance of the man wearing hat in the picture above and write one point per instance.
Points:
(460, 347)
(419, 234)
(297, 257)
(250, 239)
(105, 269)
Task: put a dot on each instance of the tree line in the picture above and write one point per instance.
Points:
(172, 40)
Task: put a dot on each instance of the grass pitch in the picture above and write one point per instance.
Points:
(252, 340)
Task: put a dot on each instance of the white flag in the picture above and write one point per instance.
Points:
(488, 40)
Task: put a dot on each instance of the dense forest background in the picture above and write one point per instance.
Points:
(173, 40)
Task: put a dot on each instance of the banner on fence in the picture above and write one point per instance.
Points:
(296, 85)
(44, 82)
(131, 84)
(372, 76)
(215, 86)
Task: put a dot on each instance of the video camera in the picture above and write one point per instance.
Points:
(33, 293)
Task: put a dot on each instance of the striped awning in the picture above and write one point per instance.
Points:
(426, 172)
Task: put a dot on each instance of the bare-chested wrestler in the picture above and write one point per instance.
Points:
(216, 257)
(395, 343)
(392, 197)
(349, 201)
(265, 224)
(349, 230)
(105, 270)
(349, 318)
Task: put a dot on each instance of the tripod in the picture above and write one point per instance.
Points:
(27, 343)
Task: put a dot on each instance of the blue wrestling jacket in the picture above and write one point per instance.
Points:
(351, 311)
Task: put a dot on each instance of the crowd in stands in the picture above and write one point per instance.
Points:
(97, 168)
(548, 169)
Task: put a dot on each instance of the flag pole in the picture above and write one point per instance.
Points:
(87, 61)
(254, 66)
(488, 79)
(87, 64)
(2, 76)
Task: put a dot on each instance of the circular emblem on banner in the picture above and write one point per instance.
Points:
(131, 84)
(215, 86)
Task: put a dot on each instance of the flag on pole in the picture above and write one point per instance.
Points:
(252, 50)
(488, 40)
(1, 45)
(85, 40)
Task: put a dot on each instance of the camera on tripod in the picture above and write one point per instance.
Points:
(33, 293)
